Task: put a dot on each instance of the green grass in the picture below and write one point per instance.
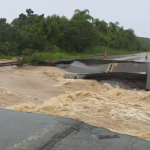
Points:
(60, 56)
(101, 50)
(95, 51)
(5, 57)
(54, 56)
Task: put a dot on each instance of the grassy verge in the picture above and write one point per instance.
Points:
(101, 50)
(96, 51)
(5, 57)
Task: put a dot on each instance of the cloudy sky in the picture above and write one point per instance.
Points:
(133, 14)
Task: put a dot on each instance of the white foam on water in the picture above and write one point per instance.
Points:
(101, 105)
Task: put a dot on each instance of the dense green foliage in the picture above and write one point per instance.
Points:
(145, 42)
(31, 32)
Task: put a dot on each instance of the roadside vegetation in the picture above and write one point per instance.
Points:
(57, 37)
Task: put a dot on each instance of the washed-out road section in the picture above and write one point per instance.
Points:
(29, 131)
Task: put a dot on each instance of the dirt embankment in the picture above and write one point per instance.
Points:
(44, 90)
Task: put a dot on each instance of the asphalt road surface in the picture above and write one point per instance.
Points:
(28, 131)
(25, 131)
(81, 68)
(137, 57)
(78, 67)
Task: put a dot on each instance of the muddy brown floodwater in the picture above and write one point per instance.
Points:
(44, 90)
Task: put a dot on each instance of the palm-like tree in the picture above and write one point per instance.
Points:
(84, 12)
(82, 15)
(29, 12)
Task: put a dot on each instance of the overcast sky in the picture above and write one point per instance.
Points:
(133, 14)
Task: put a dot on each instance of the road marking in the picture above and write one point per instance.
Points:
(112, 67)
(108, 68)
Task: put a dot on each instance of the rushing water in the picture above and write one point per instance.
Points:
(114, 108)
(45, 90)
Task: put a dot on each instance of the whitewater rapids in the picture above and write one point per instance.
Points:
(44, 90)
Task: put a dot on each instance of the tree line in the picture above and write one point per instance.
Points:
(33, 32)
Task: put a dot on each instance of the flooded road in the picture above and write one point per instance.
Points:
(44, 90)
(101, 105)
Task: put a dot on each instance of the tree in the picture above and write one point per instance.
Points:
(82, 15)
(29, 12)
(31, 33)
